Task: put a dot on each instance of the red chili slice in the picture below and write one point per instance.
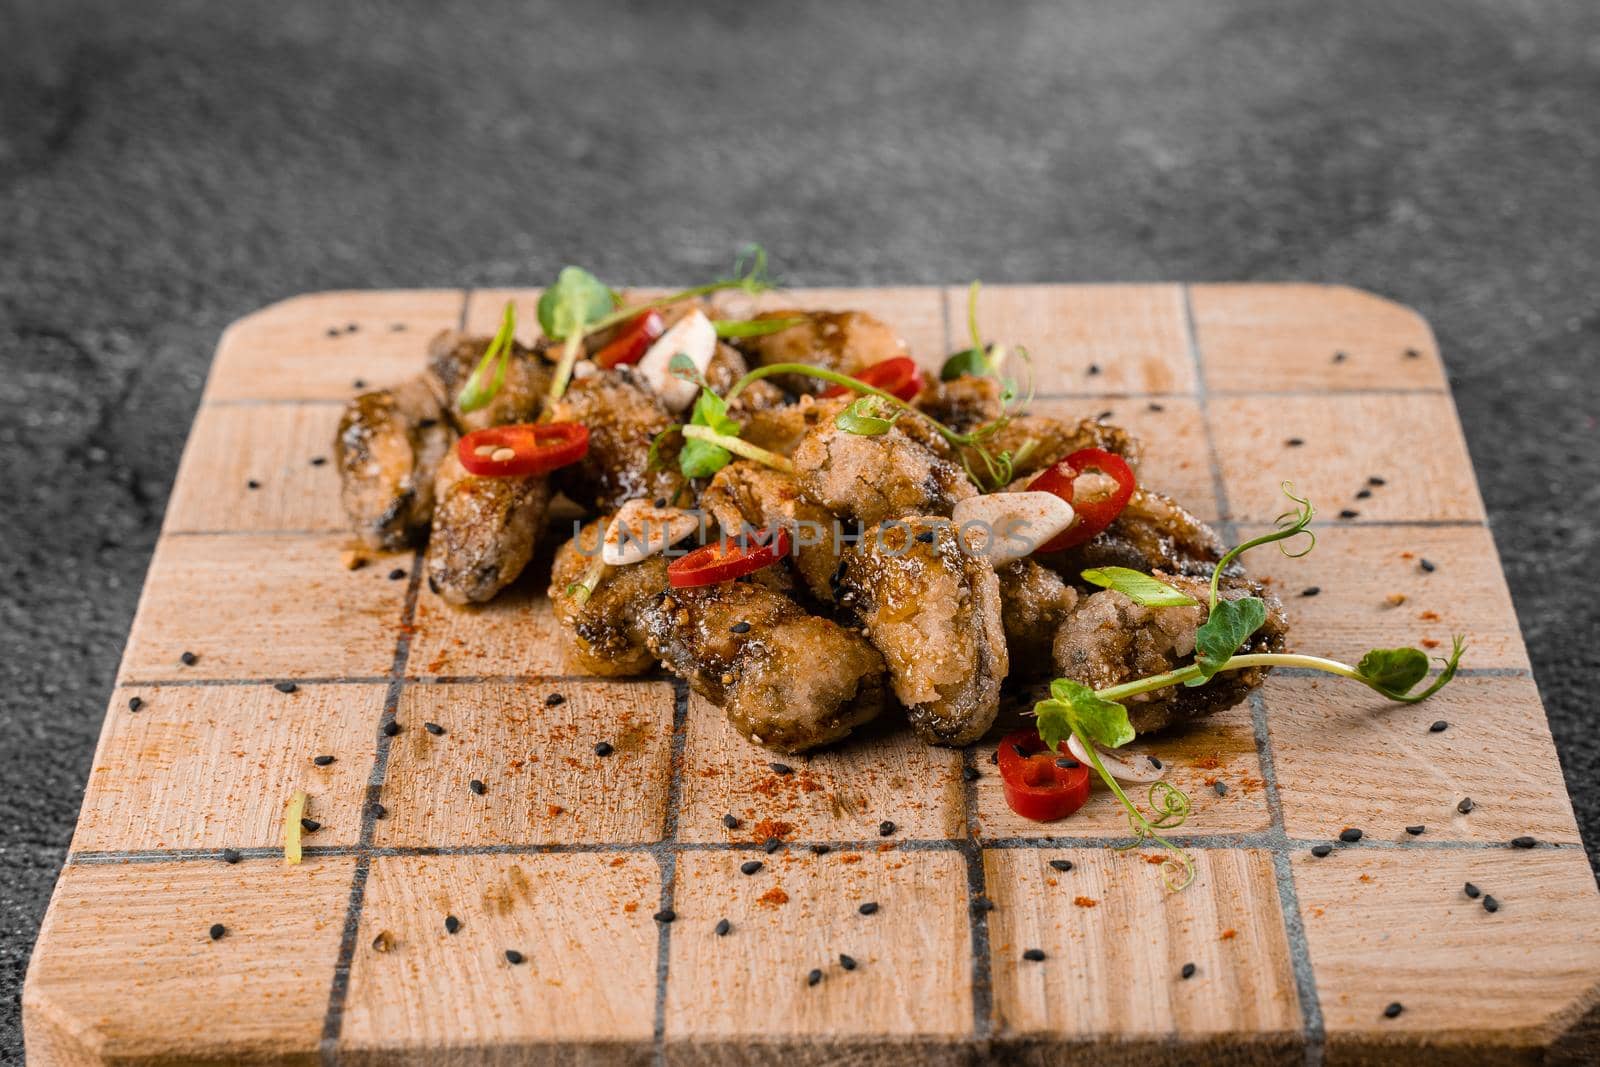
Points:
(728, 559)
(1092, 516)
(1040, 784)
(633, 340)
(898, 377)
(523, 449)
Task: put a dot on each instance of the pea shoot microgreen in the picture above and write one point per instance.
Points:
(981, 360)
(868, 416)
(740, 328)
(480, 387)
(1098, 716)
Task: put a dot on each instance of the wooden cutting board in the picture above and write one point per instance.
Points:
(567, 856)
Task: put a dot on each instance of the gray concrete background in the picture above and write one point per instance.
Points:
(166, 168)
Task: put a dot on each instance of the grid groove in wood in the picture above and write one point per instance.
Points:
(968, 845)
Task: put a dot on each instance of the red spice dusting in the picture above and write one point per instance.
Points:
(771, 828)
(618, 861)
(850, 857)
(1428, 642)
(773, 897)
(1085, 902)
(1051, 881)
(1365, 878)
(555, 809)
(1209, 763)
(1229, 934)
(1155, 859)
(887, 846)
(631, 906)
(1407, 555)
(1429, 616)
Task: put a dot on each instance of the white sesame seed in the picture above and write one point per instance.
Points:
(501, 455)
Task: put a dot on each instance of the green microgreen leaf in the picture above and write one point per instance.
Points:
(1226, 629)
(979, 360)
(480, 388)
(868, 416)
(653, 460)
(1140, 588)
(701, 458)
(1395, 671)
(736, 328)
(576, 300)
(1084, 711)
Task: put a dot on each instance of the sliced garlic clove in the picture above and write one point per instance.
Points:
(1008, 526)
(694, 336)
(642, 530)
(584, 368)
(1132, 769)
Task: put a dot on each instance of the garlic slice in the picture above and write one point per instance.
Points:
(642, 530)
(1008, 526)
(695, 337)
(1136, 769)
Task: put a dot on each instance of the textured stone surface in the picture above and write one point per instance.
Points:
(167, 168)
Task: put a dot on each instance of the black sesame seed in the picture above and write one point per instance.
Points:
(1220, 787)
(135, 703)
(1311, 590)
(1427, 565)
(351, 328)
(1524, 842)
(814, 977)
(397, 574)
(1412, 353)
(1321, 850)
(750, 866)
(1362, 494)
(1375, 480)
(1490, 904)
(821, 850)
(665, 915)
(1153, 406)
(1295, 442)
(847, 962)
(1340, 357)
(1093, 369)
(661, 502)
(1348, 513)
(1393, 1010)
(252, 484)
(1350, 836)
(1154, 762)
(188, 659)
(970, 774)
(285, 687)
(433, 728)
(1034, 954)
(1067, 763)
(451, 924)
(554, 700)
(1061, 865)
(358, 384)
(781, 768)
(731, 822)
(885, 828)
(1439, 726)
(477, 787)
(1472, 891)
(333, 331)
(317, 461)
(514, 957)
(217, 930)
(322, 761)
(1021, 752)
(869, 908)
(994, 757)
(310, 826)
(739, 628)
(1416, 831)
(1188, 970)
(771, 845)
(603, 748)
(722, 927)
(1465, 806)
(982, 904)
(391, 728)
(231, 855)
(379, 811)
(1104, 415)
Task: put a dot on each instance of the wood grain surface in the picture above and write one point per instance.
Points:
(609, 875)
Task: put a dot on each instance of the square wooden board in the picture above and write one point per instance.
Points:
(916, 934)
